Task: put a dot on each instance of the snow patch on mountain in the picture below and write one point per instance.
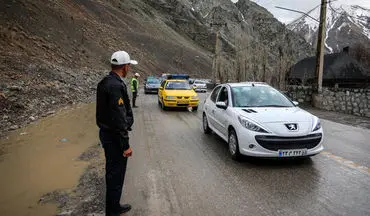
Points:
(344, 25)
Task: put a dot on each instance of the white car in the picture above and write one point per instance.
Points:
(200, 85)
(258, 120)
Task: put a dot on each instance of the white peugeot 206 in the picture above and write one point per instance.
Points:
(258, 120)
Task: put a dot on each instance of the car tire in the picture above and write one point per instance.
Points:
(234, 145)
(163, 106)
(195, 108)
(206, 128)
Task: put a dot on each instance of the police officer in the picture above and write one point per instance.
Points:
(134, 88)
(114, 118)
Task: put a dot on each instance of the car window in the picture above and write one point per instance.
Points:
(178, 85)
(153, 81)
(215, 93)
(163, 83)
(259, 96)
(223, 96)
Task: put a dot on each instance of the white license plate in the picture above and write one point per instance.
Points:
(292, 152)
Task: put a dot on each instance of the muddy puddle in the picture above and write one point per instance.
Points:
(45, 157)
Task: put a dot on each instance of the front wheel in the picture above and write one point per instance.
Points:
(195, 108)
(234, 145)
(163, 106)
(206, 128)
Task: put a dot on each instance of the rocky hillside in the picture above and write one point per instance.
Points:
(54, 52)
(346, 25)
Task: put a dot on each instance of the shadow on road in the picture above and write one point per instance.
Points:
(221, 147)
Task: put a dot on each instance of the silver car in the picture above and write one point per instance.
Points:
(200, 86)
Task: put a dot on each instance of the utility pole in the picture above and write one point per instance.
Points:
(320, 46)
(215, 63)
(320, 41)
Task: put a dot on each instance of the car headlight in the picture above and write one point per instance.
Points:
(250, 126)
(316, 124)
(195, 98)
(171, 97)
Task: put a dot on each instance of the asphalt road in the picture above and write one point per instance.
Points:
(178, 170)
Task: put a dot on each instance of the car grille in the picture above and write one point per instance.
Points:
(182, 105)
(275, 143)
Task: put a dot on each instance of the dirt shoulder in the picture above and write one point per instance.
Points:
(49, 157)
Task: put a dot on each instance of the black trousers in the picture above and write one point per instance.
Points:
(134, 95)
(115, 168)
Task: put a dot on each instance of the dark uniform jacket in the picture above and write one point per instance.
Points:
(113, 109)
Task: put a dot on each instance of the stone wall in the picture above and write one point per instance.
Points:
(302, 94)
(344, 100)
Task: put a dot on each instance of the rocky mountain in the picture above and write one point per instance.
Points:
(346, 25)
(54, 52)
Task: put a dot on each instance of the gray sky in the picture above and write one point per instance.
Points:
(301, 5)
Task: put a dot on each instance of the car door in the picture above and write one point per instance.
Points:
(221, 115)
(160, 90)
(210, 106)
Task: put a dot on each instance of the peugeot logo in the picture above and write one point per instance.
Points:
(292, 126)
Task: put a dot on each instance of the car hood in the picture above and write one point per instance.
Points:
(188, 93)
(276, 120)
(275, 114)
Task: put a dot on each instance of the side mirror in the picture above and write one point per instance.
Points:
(221, 105)
(295, 103)
(194, 87)
(161, 88)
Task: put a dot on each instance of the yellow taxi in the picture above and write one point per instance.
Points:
(177, 93)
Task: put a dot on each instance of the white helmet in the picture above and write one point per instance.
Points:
(121, 58)
(137, 74)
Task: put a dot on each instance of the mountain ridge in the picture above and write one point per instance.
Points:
(346, 25)
(55, 52)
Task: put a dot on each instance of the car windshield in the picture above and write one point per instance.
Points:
(199, 82)
(259, 96)
(153, 81)
(178, 85)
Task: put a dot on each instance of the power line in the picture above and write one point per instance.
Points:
(310, 11)
(297, 11)
(336, 11)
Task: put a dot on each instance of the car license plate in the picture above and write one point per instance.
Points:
(292, 152)
(182, 102)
